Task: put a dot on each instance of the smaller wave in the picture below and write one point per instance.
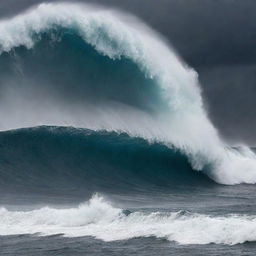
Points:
(99, 219)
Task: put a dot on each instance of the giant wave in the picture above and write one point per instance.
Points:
(109, 71)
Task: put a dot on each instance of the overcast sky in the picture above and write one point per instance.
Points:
(217, 38)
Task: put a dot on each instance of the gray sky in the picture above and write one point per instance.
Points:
(217, 38)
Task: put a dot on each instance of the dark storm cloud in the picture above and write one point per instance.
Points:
(216, 37)
(231, 96)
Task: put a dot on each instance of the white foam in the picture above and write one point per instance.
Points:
(97, 218)
(185, 124)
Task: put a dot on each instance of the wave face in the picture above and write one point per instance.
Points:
(81, 66)
(100, 219)
(55, 160)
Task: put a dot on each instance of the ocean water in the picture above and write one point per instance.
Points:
(106, 147)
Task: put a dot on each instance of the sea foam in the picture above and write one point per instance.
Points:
(99, 219)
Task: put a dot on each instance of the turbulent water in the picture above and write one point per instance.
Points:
(106, 147)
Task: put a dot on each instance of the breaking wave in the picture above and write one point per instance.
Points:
(82, 66)
(99, 219)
